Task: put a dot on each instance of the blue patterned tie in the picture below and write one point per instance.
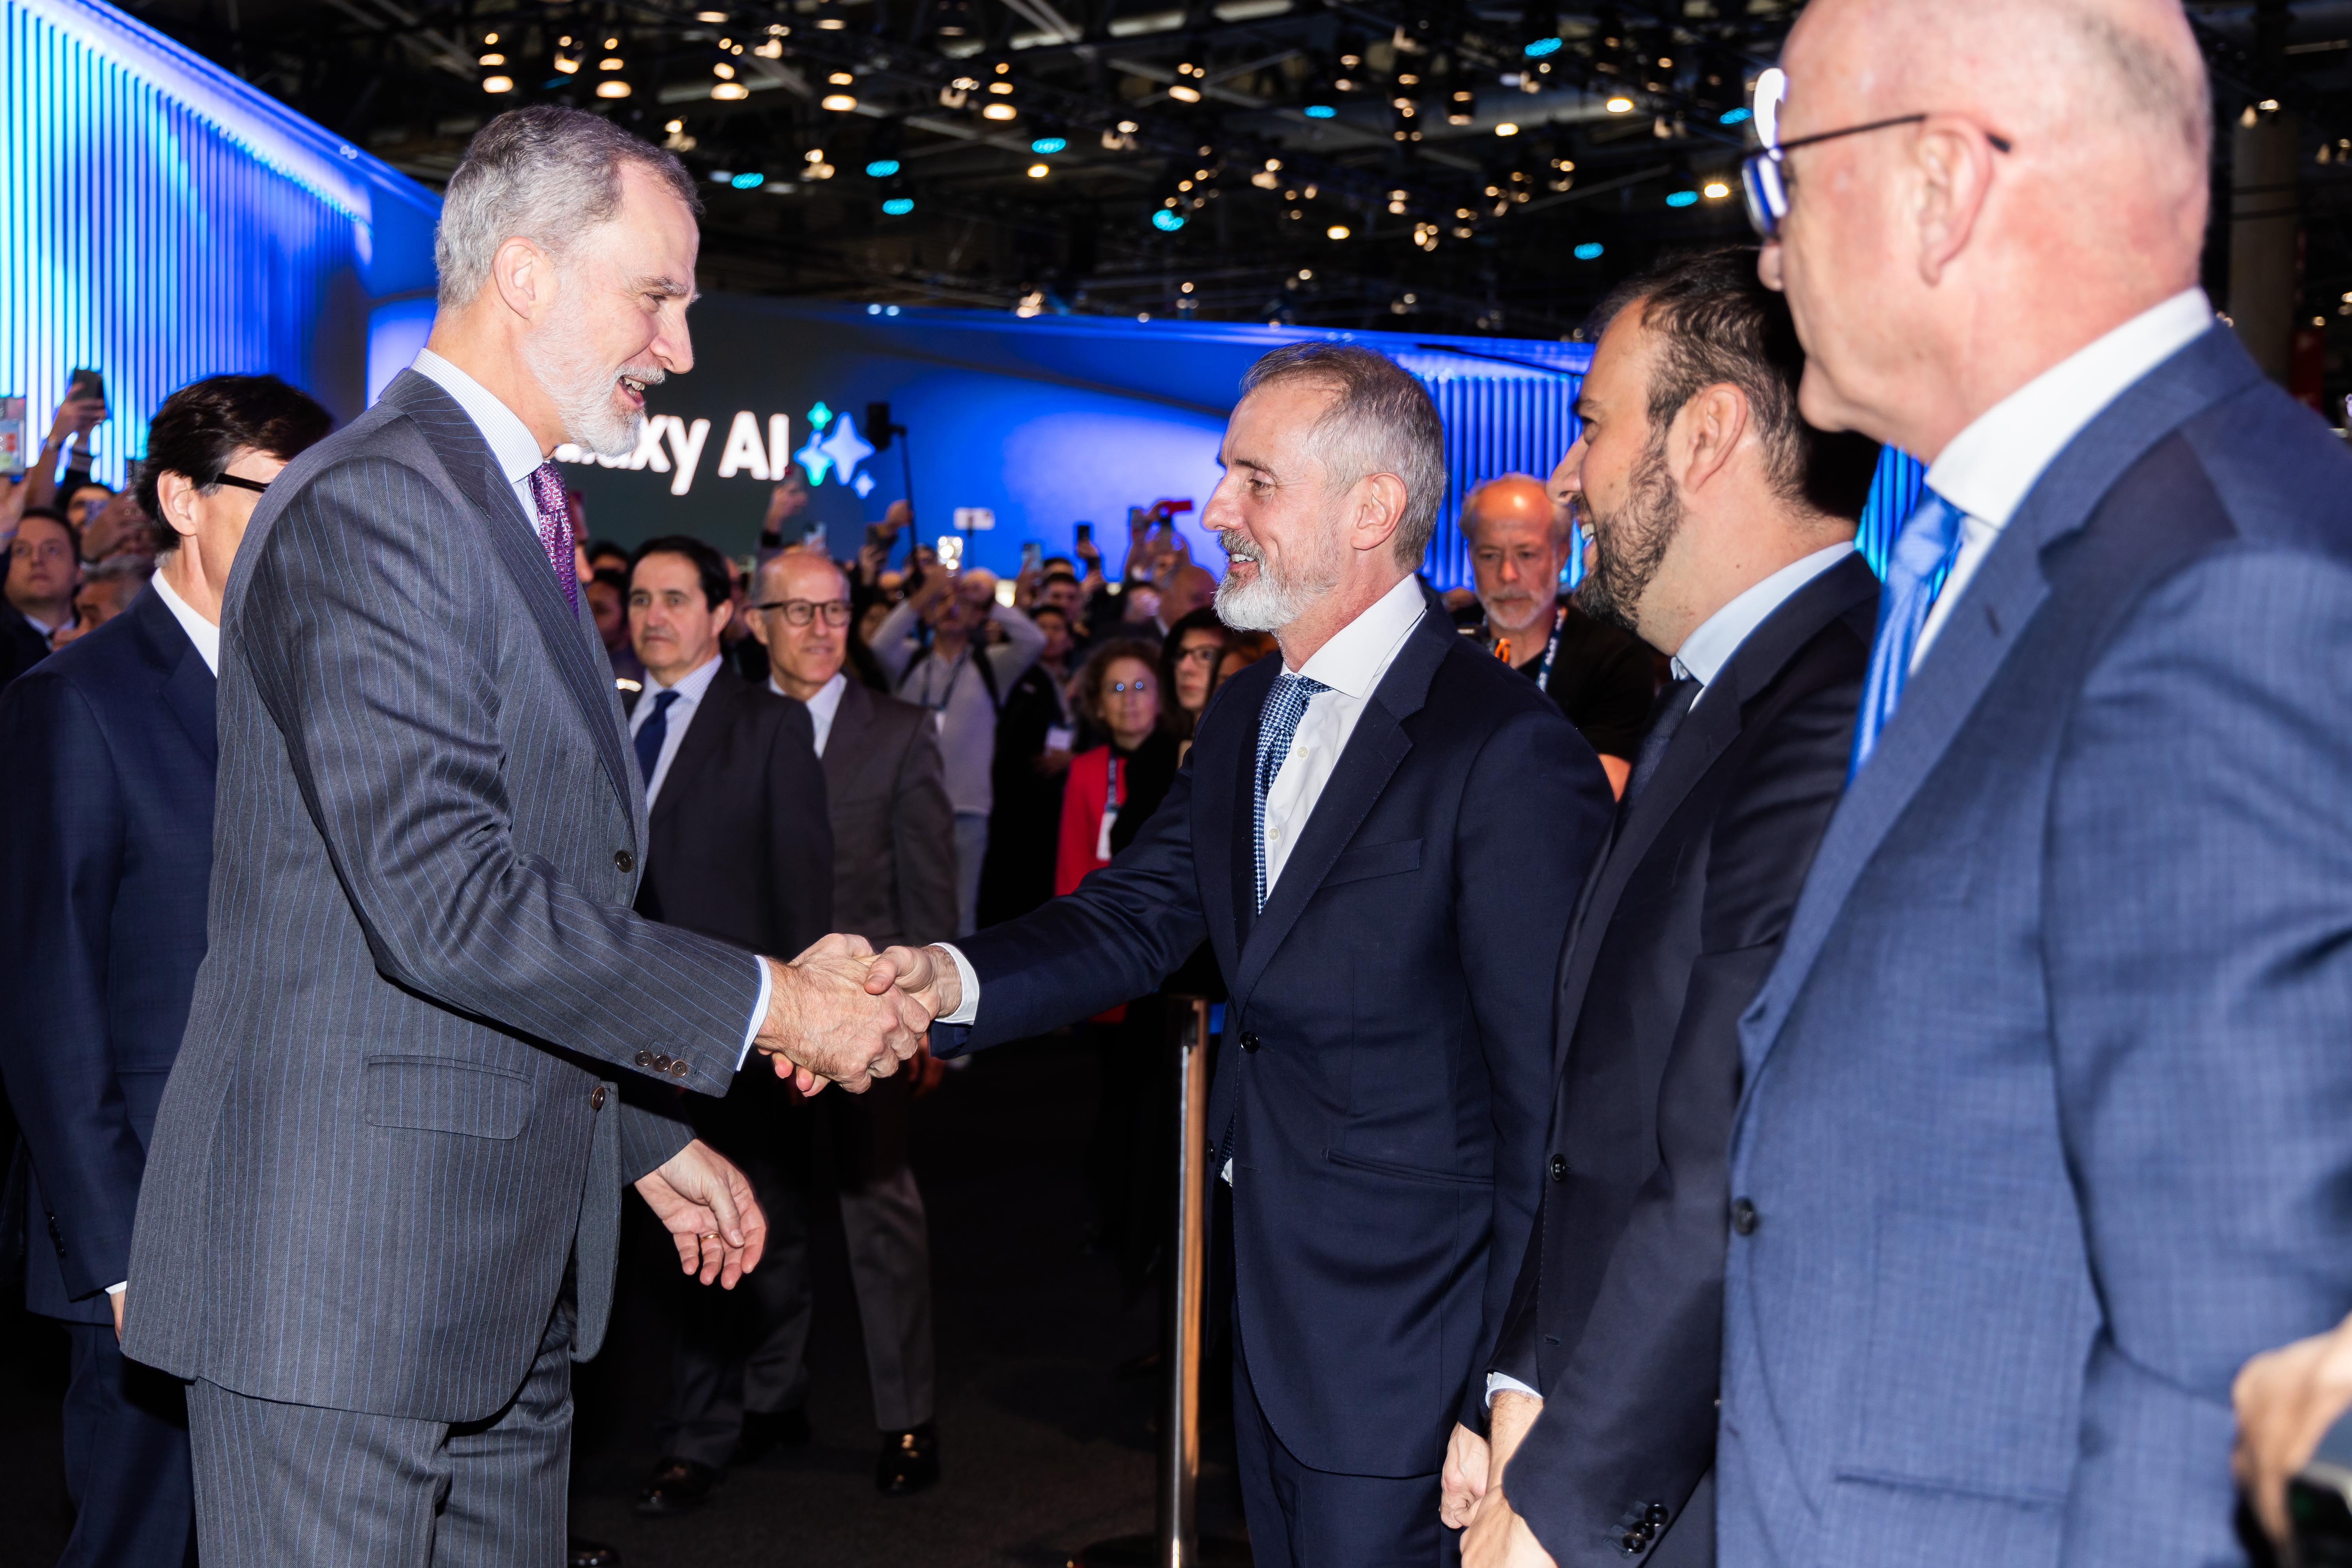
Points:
(650, 738)
(1285, 705)
(1915, 570)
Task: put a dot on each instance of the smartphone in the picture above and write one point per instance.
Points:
(87, 384)
(950, 551)
(814, 538)
(1087, 530)
(1033, 554)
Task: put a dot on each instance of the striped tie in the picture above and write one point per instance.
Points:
(1915, 570)
(1285, 705)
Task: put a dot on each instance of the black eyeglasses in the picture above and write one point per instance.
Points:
(1763, 178)
(258, 487)
(799, 612)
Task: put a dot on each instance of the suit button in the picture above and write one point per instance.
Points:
(678, 1069)
(1559, 1167)
(624, 861)
(1656, 1514)
(644, 1058)
(661, 1062)
(596, 1098)
(1249, 1041)
(1632, 1544)
(1743, 1216)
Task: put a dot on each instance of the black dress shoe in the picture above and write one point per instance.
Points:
(909, 1461)
(765, 1431)
(589, 1554)
(678, 1485)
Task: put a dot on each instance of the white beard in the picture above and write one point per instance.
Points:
(581, 387)
(1269, 602)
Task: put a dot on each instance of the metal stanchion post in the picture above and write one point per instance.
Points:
(1176, 1541)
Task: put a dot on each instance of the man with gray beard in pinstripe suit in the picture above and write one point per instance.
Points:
(429, 1042)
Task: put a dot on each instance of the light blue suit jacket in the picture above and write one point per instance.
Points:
(2048, 1116)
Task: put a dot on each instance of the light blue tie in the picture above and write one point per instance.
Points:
(1915, 570)
(1285, 705)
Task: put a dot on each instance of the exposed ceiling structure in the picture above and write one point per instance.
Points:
(1438, 166)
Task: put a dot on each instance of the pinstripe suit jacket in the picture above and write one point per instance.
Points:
(2044, 1125)
(391, 1117)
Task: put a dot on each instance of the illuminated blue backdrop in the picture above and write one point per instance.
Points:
(160, 220)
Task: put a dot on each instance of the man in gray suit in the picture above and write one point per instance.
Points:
(383, 1196)
(2043, 1126)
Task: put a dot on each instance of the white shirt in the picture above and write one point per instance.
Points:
(689, 689)
(1988, 469)
(509, 439)
(1705, 651)
(821, 707)
(204, 634)
(1351, 664)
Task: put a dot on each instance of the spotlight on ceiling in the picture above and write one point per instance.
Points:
(1337, 231)
(1320, 111)
(898, 206)
(839, 103)
(1739, 116)
(1682, 198)
(1184, 94)
(498, 84)
(1539, 47)
(613, 87)
(751, 181)
(1000, 110)
(1619, 104)
(1167, 222)
(729, 91)
(1039, 171)
(1715, 190)
(882, 168)
(1506, 129)
(1047, 146)
(1589, 251)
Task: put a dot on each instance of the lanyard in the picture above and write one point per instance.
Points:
(1110, 809)
(955, 673)
(1552, 648)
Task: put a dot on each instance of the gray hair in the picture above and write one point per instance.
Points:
(1380, 421)
(129, 566)
(545, 174)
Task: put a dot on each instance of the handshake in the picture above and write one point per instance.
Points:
(842, 1012)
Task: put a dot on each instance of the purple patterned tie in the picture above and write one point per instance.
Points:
(555, 530)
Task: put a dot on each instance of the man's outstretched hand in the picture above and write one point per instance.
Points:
(828, 1022)
(707, 1208)
(927, 974)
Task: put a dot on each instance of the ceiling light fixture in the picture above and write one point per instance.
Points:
(882, 168)
(1184, 94)
(1038, 170)
(1619, 104)
(1166, 221)
(999, 111)
(613, 87)
(839, 103)
(898, 206)
(1715, 190)
(730, 91)
(1337, 231)
(498, 84)
(710, 15)
(1506, 129)
(492, 59)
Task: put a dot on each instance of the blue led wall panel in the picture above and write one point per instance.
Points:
(160, 221)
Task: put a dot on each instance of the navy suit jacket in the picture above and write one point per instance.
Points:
(2044, 1125)
(1617, 1318)
(1389, 1050)
(106, 851)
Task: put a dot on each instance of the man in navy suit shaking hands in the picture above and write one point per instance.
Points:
(1382, 834)
(2042, 1132)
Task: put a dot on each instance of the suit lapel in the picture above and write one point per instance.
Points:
(1992, 611)
(1713, 726)
(712, 715)
(571, 641)
(1364, 768)
(189, 690)
(844, 748)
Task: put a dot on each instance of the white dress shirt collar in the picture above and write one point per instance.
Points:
(204, 634)
(1988, 468)
(511, 440)
(1359, 653)
(1705, 651)
(822, 706)
(689, 686)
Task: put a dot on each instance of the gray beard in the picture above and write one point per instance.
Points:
(1269, 602)
(1628, 549)
(581, 389)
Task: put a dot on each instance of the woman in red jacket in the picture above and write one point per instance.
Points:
(1113, 790)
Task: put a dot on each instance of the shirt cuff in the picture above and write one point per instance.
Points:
(968, 1008)
(118, 1286)
(1504, 1383)
(758, 1012)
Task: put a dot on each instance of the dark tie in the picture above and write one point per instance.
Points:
(1915, 569)
(1673, 708)
(650, 738)
(555, 533)
(1285, 705)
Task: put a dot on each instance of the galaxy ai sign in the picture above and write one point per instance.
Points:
(673, 445)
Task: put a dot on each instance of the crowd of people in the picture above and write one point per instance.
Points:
(1743, 1061)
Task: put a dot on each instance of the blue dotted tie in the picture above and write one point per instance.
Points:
(650, 738)
(1285, 705)
(1915, 569)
